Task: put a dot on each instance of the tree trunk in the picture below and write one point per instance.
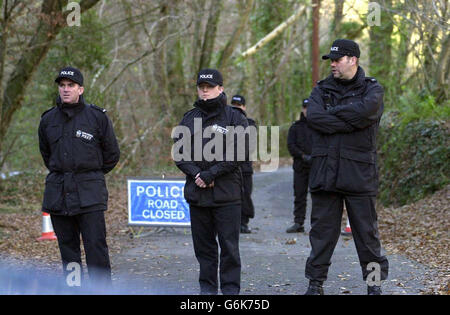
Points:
(442, 73)
(210, 34)
(403, 49)
(159, 61)
(198, 43)
(380, 47)
(51, 20)
(315, 51)
(229, 47)
(273, 34)
(337, 20)
(176, 71)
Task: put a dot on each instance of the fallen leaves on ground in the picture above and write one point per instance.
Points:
(420, 231)
(20, 230)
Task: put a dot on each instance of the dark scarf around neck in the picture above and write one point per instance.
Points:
(71, 109)
(211, 105)
(352, 80)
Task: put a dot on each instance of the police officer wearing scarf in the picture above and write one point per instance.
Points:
(344, 112)
(78, 146)
(213, 187)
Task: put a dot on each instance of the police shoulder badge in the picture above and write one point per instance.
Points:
(98, 108)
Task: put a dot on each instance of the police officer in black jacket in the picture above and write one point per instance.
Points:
(299, 146)
(248, 209)
(344, 112)
(78, 146)
(213, 183)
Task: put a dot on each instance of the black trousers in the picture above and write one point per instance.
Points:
(248, 210)
(223, 223)
(92, 228)
(326, 218)
(300, 193)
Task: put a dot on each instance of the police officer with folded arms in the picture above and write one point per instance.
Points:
(344, 112)
(78, 146)
(299, 146)
(213, 187)
(248, 209)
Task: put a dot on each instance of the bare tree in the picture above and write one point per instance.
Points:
(381, 45)
(51, 20)
(315, 41)
(274, 33)
(226, 53)
(210, 34)
(338, 16)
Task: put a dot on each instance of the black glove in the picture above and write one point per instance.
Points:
(207, 177)
(333, 109)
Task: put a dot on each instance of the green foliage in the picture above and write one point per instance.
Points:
(22, 193)
(414, 107)
(279, 86)
(85, 47)
(351, 30)
(414, 131)
(414, 150)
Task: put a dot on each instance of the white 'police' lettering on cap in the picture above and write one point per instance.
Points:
(67, 73)
(206, 76)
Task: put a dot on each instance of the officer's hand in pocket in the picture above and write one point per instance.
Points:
(307, 159)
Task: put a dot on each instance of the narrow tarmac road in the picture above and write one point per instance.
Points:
(162, 260)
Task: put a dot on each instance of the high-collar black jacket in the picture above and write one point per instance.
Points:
(299, 142)
(247, 166)
(224, 172)
(78, 146)
(345, 116)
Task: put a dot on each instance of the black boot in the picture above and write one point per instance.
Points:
(373, 290)
(315, 288)
(296, 228)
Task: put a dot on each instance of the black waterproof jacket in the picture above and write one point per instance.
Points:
(299, 143)
(345, 116)
(225, 173)
(78, 146)
(247, 166)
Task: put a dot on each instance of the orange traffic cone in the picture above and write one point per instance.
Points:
(347, 231)
(47, 228)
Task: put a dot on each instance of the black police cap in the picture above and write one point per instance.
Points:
(238, 99)
(70, 73)
(210, 76)
(343, 47)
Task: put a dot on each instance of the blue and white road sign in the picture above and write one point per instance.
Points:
(157, 202)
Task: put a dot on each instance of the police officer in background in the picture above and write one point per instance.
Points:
(344, 112)
(78, 146)
(299, 146)
(213, 186)
(248, 210)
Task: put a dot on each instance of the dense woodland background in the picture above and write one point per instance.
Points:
(140, 59)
